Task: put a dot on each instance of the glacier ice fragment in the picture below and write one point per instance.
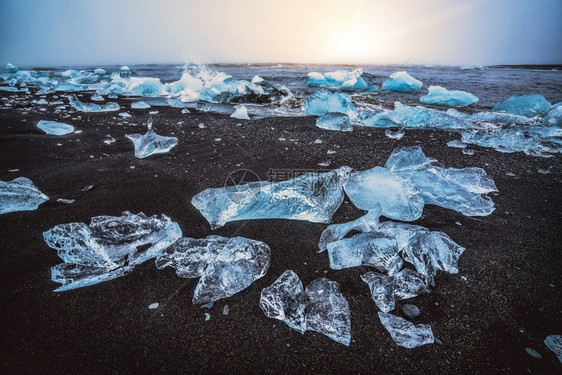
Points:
(323, 101)
(92, 107)
(12, 69)
(386, 290)
(140, 105)
(456, 144)
(441, 96)
(240, 113)
(381, 119)
(97, 97)
(20, 194)
(529, 105)
(554, 116)
(554, 343)
(55, 128)
(405, 333)
(394, 135)
(402, 82)
(341, 79)
(334, 121)
(334, 232)
(421, 117)
(151, 143)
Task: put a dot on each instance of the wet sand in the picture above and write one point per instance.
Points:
(507, 299)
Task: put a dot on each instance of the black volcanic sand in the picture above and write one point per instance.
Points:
(506, 297)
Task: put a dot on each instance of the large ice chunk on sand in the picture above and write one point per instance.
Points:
(238, 264)
(402, 82)
(151, 143)
(398, 196)
(110, 247)
(554, 116)
(421, 117)
(340, 79)
(441, 96)
(334, 121)
(55, 128)
(381, 119)
(323, 101)
(386, 290)
(529, 105)
(313, 197)
(461, 190)
(405, 333)
(554, 343)
(92, 107)
(20, 194)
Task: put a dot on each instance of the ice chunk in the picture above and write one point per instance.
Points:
(554, 343)
(441, 96)
(554, 116)
(394, 135)
(401, 232)
(285, 300)
(97, 97)
(499, 118)
(92, 107)
(456, 144)
(385, 290)
(327, 311)
(366, 249)
(341, 79)
(323, 101)
(175, 103)
(529, 105)
(140, 105)
(125, 72)
(12, 69)
(405, 333)
(334, 121)
(366, 223)
(110, 247)
(240, 113)
(20, 194)
(239, 263)
(398, 196)
(55, 128)
(421, 117)
(100, 72)
(312, 197)
(381, 119)
(151, 143)
(402, 82)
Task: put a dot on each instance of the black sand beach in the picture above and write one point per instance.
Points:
(507, 296)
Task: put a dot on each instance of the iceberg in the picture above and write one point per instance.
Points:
(238, 264)
(554, 343)
(55, 128)
(441, 96)
(529, 105)
(140, 105)
(402, 82)
(110, 247)
(20, 194)
(385, 290)
(421, 117)
(313, 197)
(323, 101)
(334, 121)
(92, 107)
(334, 232)
(12, 69)
(151, 143)
(240, 113)
(341, 79)
(405, 333)
(399, 198)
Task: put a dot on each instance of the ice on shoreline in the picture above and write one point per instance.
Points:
(55, 128)
(334, 121)
(441, 96)
(529, 105)
(402, 82)
(341, 79)
(92, 107)
(151, 143)
(323, 101)
(20, 194)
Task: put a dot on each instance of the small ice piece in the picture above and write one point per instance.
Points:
(240, 113)
(441, 96)
(20, 194)
(125, 72)
(55, 128)
(112, 95)
(467, 151)
(385, 290)
(175, 103)
(313, 197)
(40, 101)
(432, 251)
(318, 141)
(335, 232)
(325, 163)
(554, 343)
(185, 111)
(92, 107)
(66, 201)
(366, 249)
(341, 79)
(554, 116)
(402, 82)
(239, 263)
(285, 300)
(97, 97)
(327, 310)
(12, 69)
(398, 196)
(110, 247)
(323, 101)
(153, 306)
(201, 126)
(456, 144)
(334, 121)
(395, 135)
(529, 105)
(140, 105)
(421, 117)
(405, 333)
(151, 143)
(125, 115)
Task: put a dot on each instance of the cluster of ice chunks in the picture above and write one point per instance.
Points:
(529, 105)
(55, 128)
(92, 107)
(110, 247)
(20, 194)
(341, 79)
(405, 333)
(241, 113)
(313, 197)
(334, 121)
(320, 307)
(402, 82)
(323, 101)
(441, 96)
(151, 143)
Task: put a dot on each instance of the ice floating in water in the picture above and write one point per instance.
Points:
(240, 113)
(341, 79)
(456, 144)
(334, 121)
(238, 264)
(55, 128)
(151, 143)
(441, 96)
(20, 194)
(334, 232)
(386, 290)
(97, 98)
(554, 343)
(110, 247)
(402, 82)
(399, 198)
(405, 333)
(313, 197)
(140, 105)
(12, 69)
(529, 105)
(92, 107)
(323, 101)
(458, 189)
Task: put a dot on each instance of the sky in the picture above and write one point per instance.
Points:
(454, 32)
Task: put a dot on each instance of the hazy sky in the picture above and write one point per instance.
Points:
(459, 32)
